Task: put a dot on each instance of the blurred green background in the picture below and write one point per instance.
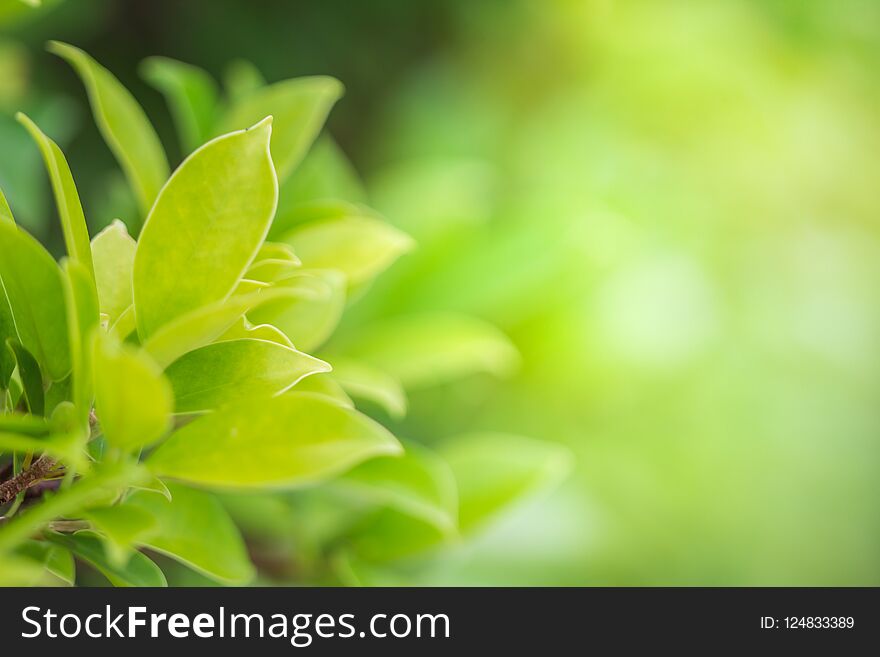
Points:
(671, 206)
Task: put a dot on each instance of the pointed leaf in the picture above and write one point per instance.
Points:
(223, 372)
(73, 221)
(113, 253)
(427, 350)
(57, 560)
(365, 382)
(82, 320)
(324, 385)
(33, 287)
(205, 228)
(133, 399)
(122, 123)
(191, 94)
(31, 378)
(87, 545)
(242, 79)
(243, 329)
(5, 210)
(122, 527)
(358, 245)
(495, 471)
(196, 530)
(300, 107)
(284, 441)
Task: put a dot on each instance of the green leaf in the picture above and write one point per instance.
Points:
(122, 123)
(310, 315)
(61, 446)
(36, 297)
(87, 545)
(113, 252)
(202, 326)
(5, 210)
(495, 471)
(243, 329)
(359, 245)
(29, 425)
(196, 530)
(242, 79)
(73, 221)
(300, 107)
(418, 483)
(122, 527)
(82, 320)
(7, 332)
(205, 228)
(191, 94)
(324, 385)
(133, 399)
(325, 173)
(426, 350)
(223, 372)
(57, 560)
(288, 440)
(364, 382)
(31, 378)
(104, 478)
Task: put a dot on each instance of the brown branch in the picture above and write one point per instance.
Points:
(20, 482)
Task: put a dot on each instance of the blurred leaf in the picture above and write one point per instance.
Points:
(299, 108)
(133, 399)
(31, 378)
(365, 382)
(418, 483)
(389, 534)
(358, 245)
(5, 210)
(73, 221)
(205, 228)
(82, 320)
(33, 286)
(123, 124)
(495, 471)
(7, 333)
(242, 79)
(113, 252)
(313, 310)
(325, 173)
(138, 571)
(326, 386)
(244, 330)
(284, 441)
(195, 529)
(223, 372)
(426, 350)
(191, 94)
(122, 526)
(29, 425)
(57, 560)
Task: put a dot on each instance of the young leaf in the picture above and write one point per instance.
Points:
(243, 329)
(365, 382)
(310, 315)
(113, 253)
(427, 350)
(325, 173)
(196, 530)
(205, 228)
(191, 94)
(358, 245)
(133, 399)
(82, 319)
(5, 210)
(223, 372)
(123, 124)
(300, 107)
(288, 440)
(87, 545)
(202, 326)
(122, 527)
(495, 471)
(418, 483)
(389, 534)
(242, 79)
(324, 385)
(31, 378)
(73, 221)
(33, 287)
(55, 559)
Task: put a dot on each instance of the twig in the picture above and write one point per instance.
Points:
(40, 468)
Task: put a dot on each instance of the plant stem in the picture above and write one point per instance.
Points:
(20, 482)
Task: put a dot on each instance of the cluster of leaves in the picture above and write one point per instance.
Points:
(152, 396)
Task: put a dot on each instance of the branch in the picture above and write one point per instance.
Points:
(40, 468)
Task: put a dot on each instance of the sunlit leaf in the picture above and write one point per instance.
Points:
(36, 297)
(196, 530)
(191, 94)
(205, 228)
(364, 382)
(122, 527)
(123, 124)
(73, 221)
(113, 253)
(300, 107)
(288, 440)
(87, 545)
(222, 372)
(133, 399)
